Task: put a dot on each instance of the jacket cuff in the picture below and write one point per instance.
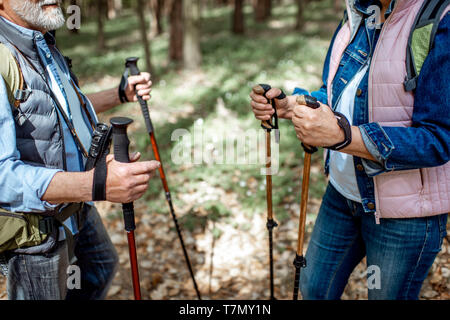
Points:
(320, 95)
(300, 91)
(379, 146)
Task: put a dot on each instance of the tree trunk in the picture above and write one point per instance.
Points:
(337, 6)
(238, 17)
(192, 56)
(263, 10)
(176, 31)
(300, 21)
(144, 35)
(157, 10)
(101, 43)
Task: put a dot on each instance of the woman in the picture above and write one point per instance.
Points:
(389, 180)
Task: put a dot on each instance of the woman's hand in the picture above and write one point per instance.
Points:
(317, 127)
(262, 108)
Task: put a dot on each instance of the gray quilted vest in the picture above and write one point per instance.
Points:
(39, 134)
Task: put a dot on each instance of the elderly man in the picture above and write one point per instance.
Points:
(46, 125)
(387, 153)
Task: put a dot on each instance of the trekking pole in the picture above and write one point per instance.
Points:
(271, 223)
(131, 64)
(300, 261)
(121, 144)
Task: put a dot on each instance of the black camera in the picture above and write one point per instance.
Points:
(101, 141)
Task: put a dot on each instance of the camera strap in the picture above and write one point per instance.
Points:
(100, 147)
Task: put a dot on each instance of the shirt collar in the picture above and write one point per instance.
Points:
(48, 36)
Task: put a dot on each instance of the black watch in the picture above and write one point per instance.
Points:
(346, 126)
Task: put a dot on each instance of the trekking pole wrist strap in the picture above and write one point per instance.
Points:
(123, 86)
(101, 142)
(99, 181)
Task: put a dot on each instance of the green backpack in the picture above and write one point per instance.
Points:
(421, 38)
(17, 230)
(21, 230)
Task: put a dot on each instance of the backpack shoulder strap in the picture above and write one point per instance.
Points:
(421, 39)
(11, 73)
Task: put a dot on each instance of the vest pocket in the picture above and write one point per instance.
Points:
(400, 183)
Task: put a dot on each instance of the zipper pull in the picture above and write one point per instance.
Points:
(377, 217)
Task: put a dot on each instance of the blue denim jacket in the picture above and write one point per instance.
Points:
(427, 142)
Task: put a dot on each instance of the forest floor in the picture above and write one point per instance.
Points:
(220, 204)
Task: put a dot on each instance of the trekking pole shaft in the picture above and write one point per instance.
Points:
(296, 282)
(172, 211)
(134, 265)
(271, 224)
(300, 261)
(304, 203)
(121, 144)
(272, 293)
(134, 70)
(269, 177)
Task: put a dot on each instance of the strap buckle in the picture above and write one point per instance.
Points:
(22, 95)
(47, 225)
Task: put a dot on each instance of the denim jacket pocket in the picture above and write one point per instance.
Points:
(358, 55)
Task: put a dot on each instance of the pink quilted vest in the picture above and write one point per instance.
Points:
(399, 194)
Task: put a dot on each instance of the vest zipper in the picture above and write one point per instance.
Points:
(370, 104)
(63, 143)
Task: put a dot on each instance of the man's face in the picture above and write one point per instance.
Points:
(43, 15)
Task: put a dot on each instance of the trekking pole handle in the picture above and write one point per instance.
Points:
(121, 145)
(131, 64)
(314, 104)
(308, 101)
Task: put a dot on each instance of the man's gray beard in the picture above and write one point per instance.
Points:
(33, 14)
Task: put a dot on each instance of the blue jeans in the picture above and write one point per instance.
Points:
(399, 251)
(44, 277)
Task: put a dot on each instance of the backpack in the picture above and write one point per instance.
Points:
(421, 38)
(17, 230)
(21, 230)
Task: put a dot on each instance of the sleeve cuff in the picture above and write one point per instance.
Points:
(319, 94)
(379, 146)
(300, 91)
(41, 187)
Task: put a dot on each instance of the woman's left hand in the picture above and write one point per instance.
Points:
(317, 127)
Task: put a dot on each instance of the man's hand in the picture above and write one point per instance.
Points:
(127, 182)
(317, 127)
(263, 109)
(143, 87)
